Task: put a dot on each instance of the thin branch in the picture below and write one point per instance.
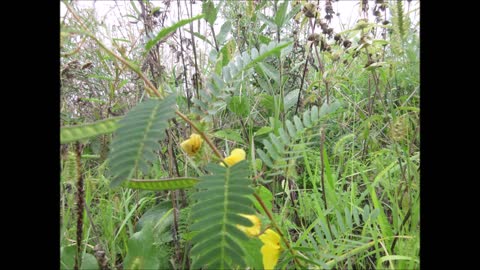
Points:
(214, 37)
(322, 177)
(183, 62)
(303, 79)
(196, 78)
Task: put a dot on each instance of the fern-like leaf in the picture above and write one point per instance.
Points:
(85, 131)
(245, 61)
(276, 148)
(219, 86)
(167, 31)
(222, 196)
(137, 137)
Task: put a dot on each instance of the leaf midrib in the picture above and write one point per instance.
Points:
(225, 207)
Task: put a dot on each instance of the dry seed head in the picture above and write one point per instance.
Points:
(315, 38)
(329, 32)
(310, 9)
(364, 5)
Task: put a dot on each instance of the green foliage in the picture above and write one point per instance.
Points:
(144, 250)
(221, 197)
(67, 261)
(208, 8)
(226, 27)
(161, 184)
(266, 196)
(161, 216)
(277, 147)
(219, 86)
(400, 19)
(69, 172)
(239, 105)
(137, 137)
(260, 87)
(168, 30)
(85, 131)
(247, 61)
(228, 134)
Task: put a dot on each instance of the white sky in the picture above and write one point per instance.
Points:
(349, 11)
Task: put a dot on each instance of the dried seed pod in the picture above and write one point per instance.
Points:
(329, 10)
(315, 38)
(338, 38)
(347, 43)
(364, 5)
(87, 65)
(325, 47)
(330, 31)
(310, 9)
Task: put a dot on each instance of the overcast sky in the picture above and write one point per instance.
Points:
(349, 11)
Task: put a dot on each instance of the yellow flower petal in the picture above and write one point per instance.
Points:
(270, 256)
(236, 155)
(192, 145)
(270, 249)
(253, 230)
(270, 237)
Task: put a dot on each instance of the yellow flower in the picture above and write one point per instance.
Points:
(236, 155)
(254, 230)
(270, 249)
(192, 145)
